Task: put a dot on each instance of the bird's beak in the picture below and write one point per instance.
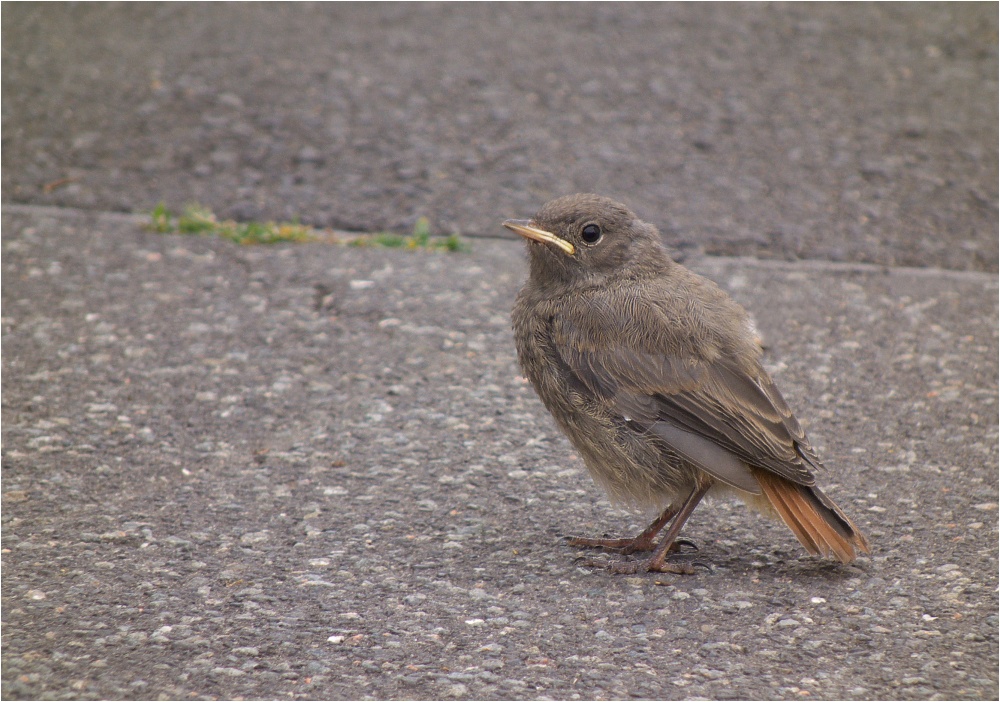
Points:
(527, 229)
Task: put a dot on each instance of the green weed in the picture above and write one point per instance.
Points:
(200, 220)
(197, 220)
(420, 239)
(163, 221)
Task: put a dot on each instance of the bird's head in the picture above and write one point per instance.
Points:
(584, 239)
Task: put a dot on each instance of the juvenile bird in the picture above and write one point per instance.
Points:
(654, 374)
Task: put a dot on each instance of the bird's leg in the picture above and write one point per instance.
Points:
(658, 561)
(643, 542)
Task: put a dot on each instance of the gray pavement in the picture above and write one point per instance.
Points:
(314, 471)
(863, 132)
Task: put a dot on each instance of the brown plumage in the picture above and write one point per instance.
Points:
(654, 374)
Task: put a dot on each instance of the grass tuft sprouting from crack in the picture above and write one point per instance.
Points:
(200, 220)
(420, 239)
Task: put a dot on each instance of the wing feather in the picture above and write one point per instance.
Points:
(739, 412)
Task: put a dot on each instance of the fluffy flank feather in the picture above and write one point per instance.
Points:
(821, 527)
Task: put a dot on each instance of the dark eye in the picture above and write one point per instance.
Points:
(591, 234)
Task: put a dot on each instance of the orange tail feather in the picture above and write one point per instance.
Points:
(817, 522)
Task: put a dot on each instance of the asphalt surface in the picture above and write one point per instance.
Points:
(841, 132)
(314, 471)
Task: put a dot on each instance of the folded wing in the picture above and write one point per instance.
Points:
(717, 416)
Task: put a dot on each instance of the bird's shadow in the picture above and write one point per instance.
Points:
(716, 560)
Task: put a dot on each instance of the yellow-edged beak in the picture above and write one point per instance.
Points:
(528, 230)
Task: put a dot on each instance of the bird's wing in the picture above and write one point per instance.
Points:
(711, 412)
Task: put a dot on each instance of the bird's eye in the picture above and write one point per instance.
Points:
(591, 234)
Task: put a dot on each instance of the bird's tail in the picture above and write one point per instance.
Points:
(817, 522)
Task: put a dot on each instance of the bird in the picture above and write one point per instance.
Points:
(654, 374)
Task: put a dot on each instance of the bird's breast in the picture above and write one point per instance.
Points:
(624, 459)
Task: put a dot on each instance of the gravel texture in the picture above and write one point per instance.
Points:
(311, 471)
(845, 133)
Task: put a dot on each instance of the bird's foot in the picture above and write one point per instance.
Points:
(627, 546)
(675, 547)
(623, 546)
